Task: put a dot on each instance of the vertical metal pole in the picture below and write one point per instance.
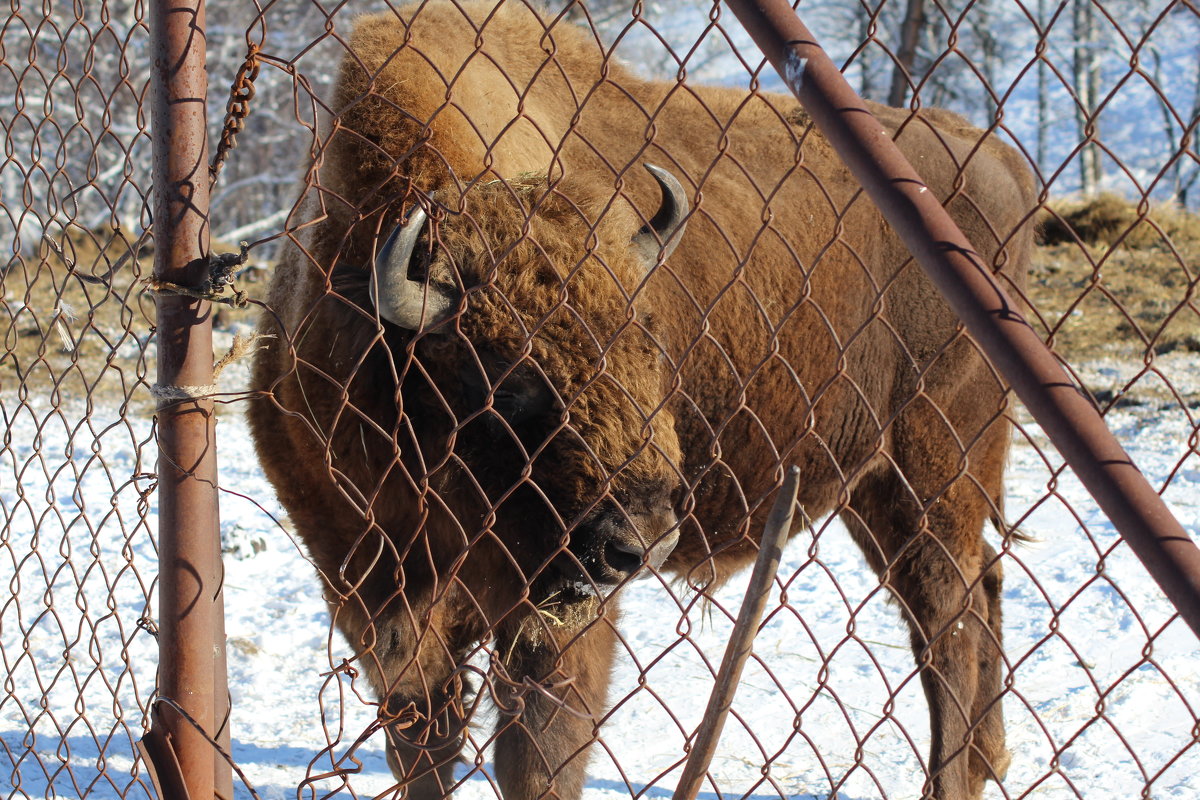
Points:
(189, 556)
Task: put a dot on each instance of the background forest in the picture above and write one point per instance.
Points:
(1101, 97)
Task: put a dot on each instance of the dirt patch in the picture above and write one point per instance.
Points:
(78, 322)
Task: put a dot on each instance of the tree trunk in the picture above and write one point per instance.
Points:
(866, 32)
(1043, 92)
(906, 56)
(1087, 89)
(983, 26)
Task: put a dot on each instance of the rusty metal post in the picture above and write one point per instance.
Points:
(190, 687)
(1060, 407)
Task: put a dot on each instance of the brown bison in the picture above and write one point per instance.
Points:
(544, 326)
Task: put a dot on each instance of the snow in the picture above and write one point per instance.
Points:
(1104, 699)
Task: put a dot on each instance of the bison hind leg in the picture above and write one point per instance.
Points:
(931, 555)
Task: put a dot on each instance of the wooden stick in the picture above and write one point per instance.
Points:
(779, 524)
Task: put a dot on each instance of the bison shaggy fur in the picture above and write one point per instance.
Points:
(514, 368)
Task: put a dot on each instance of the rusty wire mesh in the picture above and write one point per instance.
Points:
(77, 484)
(1098, 677)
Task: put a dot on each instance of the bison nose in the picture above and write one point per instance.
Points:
(624, 554)
(623, 558)
(613, 545)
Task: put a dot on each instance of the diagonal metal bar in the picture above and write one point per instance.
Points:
(1060, 407)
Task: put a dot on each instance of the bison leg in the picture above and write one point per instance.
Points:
(557, 687)
(424, 712)
(931, 555)
(424, 743)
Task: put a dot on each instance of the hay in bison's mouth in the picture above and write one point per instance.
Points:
(570, 603)
(570, 607)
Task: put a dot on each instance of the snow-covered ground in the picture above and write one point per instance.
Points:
(1105, 683)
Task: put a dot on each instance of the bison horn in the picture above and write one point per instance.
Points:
(410, 304)
(658, 237)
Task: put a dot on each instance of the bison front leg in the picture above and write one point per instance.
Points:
(426, 738)
(425, 708)
(551, 695)
(957, 647)
(945, 579)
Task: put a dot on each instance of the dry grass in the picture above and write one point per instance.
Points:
(1111, 282)
(1116, 282)
(78, 323)
(71, 331)
(1113, 221)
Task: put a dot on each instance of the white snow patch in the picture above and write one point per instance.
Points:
(1104, 687)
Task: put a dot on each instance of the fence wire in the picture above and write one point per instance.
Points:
(462, 456)
(78, 484)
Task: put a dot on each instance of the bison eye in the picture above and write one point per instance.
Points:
(519, 397)
(522, 397)
(515, 403)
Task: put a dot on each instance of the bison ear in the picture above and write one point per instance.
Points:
(413, 305)
(658, 237)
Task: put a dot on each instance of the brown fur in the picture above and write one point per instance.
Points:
(789, 327)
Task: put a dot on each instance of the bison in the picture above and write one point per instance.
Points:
(543, 326)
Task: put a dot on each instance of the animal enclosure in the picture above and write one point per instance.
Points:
(512, 448)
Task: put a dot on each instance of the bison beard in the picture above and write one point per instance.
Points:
(514, 369)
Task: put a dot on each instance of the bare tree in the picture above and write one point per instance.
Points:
(911, 31)
(987, 51)
(1086, 76)
(1179, 129)
(1043, 89)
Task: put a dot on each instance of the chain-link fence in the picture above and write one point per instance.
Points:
(78, 465)
(545, 302)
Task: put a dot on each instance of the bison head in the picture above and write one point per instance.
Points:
(542, 389)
